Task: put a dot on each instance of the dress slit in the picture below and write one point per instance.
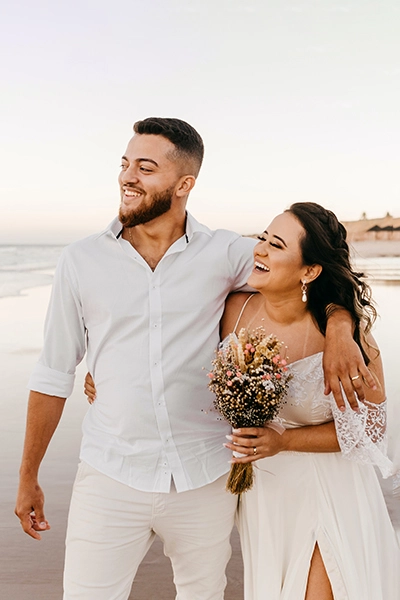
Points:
(332, 567)
(300, 499)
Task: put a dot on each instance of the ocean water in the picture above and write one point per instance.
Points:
(380, 268)
(24, 267)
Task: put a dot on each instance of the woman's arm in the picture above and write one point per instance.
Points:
(268, 442)
(89, 388)
(233, 306)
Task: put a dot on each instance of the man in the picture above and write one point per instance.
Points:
(144, 299)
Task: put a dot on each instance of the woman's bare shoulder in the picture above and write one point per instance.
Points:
(236, 300)
(233, 306)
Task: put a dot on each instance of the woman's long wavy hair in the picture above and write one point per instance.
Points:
(324, 243)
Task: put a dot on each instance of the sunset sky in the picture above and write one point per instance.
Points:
(295, 100)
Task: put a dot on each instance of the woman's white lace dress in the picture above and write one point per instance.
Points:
(332, 499)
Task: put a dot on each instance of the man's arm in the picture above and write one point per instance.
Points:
(343, 362)
(44, 413)
(268, 442)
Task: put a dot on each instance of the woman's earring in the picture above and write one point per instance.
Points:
(304, 291)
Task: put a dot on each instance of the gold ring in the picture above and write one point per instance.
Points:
(354, 378)
(254, 450)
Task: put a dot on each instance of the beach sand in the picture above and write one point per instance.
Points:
(368, 248)
(32, 570)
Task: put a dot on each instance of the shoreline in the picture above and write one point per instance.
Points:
(361, 251)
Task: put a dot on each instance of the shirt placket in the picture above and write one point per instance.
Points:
(169, 455)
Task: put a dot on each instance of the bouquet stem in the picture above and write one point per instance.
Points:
(240, 478)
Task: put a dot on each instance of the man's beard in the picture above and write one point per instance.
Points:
(160, 204)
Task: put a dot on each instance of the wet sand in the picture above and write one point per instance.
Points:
(32, 570)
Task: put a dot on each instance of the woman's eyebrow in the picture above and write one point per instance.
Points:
(280, 239)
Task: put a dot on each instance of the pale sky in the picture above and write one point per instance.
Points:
(295, 100)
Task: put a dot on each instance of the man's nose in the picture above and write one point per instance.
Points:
(129, 175)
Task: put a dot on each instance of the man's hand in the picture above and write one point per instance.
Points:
(44, 413)
(343, 362)
(29, 508)
(89, 388)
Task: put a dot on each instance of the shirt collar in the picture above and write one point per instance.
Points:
(192, 227)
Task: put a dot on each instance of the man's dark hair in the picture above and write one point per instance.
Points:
(188, 143)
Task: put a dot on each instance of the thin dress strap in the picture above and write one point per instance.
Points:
(242, 311)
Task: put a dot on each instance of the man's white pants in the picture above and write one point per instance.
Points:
(111, 527)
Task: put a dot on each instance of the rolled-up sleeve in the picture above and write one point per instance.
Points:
(64, 335)
(51, 382)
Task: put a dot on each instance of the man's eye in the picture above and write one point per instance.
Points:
(145, 170)
(123, 166)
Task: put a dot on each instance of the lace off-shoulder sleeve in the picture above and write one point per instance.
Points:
(362, 435)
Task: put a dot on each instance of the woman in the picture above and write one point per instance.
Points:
(315, 524)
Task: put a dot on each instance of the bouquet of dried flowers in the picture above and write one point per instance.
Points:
(249, 379)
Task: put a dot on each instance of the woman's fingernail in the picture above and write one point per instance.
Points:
(229, 437)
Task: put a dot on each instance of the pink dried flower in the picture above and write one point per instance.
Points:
(247, 400)
(243, 367)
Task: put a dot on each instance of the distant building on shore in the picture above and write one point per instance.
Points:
(387, 228)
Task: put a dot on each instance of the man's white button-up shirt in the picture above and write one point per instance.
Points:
(149, 338)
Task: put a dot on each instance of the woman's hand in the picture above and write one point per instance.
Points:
(89, 388)
(269, 440)
(255, 442)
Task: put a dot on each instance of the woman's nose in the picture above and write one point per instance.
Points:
(261, 249)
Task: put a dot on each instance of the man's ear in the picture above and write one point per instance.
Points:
(185, 185)
(312, 272)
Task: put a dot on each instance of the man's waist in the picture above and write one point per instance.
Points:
(149, 467)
